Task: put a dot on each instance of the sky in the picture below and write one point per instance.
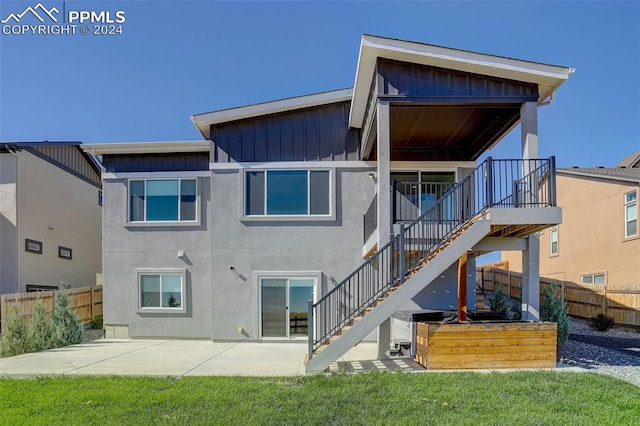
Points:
(179, 58)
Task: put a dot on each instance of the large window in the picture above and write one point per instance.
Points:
(161, 290)
(631, 214)
(162, 200)
(287, 192)
(553, 241)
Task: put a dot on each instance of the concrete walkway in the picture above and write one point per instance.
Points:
(170, 358)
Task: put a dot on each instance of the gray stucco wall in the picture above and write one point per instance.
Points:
(126, 248)
(333, 248)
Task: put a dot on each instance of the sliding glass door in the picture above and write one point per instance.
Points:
(283, 311)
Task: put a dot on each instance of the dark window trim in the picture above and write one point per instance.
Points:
(27, 241)
(63, 255)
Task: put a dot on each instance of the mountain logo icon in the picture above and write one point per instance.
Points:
(34, 11)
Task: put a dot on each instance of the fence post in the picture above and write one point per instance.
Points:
(509, 283)
(91, 302)
(310, 327)
(493, 280)
(604, 300)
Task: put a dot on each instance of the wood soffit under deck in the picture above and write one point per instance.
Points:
(446, 133)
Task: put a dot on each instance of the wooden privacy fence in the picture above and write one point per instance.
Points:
(85, 301)
(620, 302)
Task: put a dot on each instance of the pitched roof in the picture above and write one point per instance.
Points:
(632, 160)
(613, 173)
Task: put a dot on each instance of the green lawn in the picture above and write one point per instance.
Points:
(528, 398)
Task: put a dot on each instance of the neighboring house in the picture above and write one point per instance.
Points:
(50, 216)
(229, 238)
(598, 241)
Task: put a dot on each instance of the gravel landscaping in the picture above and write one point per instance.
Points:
(625, 366)
(90, 335)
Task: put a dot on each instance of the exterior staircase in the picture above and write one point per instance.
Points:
(425, 248)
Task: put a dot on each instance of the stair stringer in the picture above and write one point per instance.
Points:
(411, 287)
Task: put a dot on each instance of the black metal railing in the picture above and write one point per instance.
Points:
(494, 183)
(411, 199)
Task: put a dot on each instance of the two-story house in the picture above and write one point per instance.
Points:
(598, 241)
(50, 216)
(298, 218)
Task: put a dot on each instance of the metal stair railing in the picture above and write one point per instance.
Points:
(494, 183)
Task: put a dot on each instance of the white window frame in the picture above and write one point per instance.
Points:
(258, 276)
(162, 222)
(593, 278)
(162, 271)
(289, 217)
(551, 241)
(628, 203)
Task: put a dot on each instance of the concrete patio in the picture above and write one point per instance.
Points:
(170, 358)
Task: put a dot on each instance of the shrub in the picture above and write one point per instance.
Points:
(500, 302)
(601, 322)
(14, 341)
(40, 331)
(96, 324)
(68, 329)
(554, 309)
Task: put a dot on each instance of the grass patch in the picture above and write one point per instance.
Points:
(527, 398)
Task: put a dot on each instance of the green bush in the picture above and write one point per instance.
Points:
(500, 302)
(14, 341)
(40, 332)
(97, 324)
(68, 329)
(554, 309)
(601, 322)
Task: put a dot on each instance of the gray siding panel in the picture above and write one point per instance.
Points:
(313, 134)
(156, 162)
(412, 80)
(69, 158)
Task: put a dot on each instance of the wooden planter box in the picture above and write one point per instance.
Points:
(486, 345)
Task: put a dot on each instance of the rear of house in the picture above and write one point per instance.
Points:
(292, 218)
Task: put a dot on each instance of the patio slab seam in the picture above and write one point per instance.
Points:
(208, 359)
(115, 356)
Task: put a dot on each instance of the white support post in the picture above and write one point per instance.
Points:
(384, 205)
(530, 256)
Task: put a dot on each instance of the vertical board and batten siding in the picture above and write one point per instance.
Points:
(414, 80)
(486, 345)
(69, 157)
(620, 302)
(319, 133)
(174, 162)
(86, 302)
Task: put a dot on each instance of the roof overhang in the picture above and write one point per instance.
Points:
(205, 120)
(146, 147)
(548, 77)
